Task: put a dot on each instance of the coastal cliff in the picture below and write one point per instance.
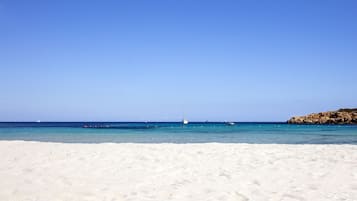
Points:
(341, 116)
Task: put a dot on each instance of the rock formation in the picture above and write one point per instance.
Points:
(341, 116)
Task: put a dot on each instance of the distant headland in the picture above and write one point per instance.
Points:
(341, 116)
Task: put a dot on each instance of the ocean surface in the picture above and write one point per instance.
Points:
(174, 132)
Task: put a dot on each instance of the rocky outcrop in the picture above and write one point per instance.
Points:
(341, 116)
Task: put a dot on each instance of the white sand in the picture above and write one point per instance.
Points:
(35, 171)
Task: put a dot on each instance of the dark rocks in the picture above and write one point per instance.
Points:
(341, 116)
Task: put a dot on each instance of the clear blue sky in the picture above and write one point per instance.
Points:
(159, 60)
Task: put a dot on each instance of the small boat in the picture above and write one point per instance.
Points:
(230, 123)
(184, 121)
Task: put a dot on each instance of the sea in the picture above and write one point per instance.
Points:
(176, 132)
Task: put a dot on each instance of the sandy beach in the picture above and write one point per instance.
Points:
(38, 171)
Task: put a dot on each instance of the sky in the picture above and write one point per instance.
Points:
(164, 60)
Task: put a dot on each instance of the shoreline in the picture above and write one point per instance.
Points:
(177, 143)
(33, 170)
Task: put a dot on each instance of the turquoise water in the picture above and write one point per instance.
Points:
(178, 133)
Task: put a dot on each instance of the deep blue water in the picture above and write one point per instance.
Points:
(140, 132)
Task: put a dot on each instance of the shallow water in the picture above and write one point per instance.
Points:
(171, 132)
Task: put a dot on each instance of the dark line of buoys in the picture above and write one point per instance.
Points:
(116, 127)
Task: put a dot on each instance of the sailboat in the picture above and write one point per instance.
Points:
(184, 121)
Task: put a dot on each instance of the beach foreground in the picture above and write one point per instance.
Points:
(41, 171)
